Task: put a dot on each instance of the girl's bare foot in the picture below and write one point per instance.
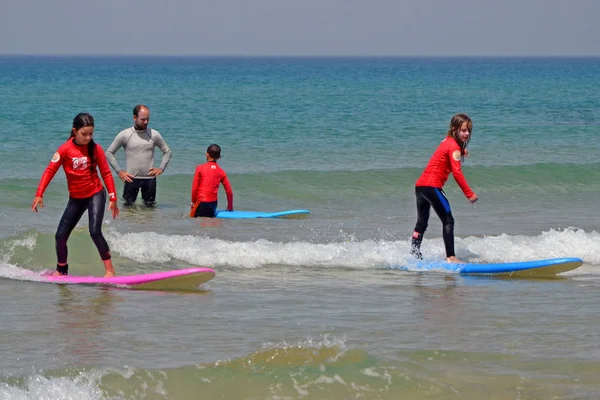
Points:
(108, 267)
(454, 260)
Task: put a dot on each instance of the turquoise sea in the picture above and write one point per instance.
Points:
(310, 308)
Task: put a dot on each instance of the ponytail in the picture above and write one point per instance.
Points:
(92, 154)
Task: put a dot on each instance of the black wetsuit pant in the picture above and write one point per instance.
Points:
(73, 212)
(206, 209)
(428, 197)
(131, 190)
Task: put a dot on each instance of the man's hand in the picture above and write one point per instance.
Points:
(125, 176)
(155, 171)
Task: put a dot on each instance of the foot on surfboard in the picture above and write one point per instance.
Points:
(416, 253)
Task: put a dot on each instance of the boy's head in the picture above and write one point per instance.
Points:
(213, 151)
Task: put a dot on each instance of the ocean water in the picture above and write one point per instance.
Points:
(314, 307)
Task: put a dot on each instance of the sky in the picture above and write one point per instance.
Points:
(301, 27)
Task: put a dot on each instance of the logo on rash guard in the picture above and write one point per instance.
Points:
(79, 163)
(112, 196)
(55, 157)
(456, 155)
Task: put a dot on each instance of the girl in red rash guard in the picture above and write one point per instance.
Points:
(79, 156)
(447, 158)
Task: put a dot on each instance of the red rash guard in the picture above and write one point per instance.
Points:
(83, 182)
(444, 160)
(205, 188)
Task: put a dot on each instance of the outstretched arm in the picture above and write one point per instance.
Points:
(455, 158)
(47, 176)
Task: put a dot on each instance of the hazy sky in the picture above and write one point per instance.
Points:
(301, 27)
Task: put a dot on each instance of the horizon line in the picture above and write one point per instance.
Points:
(241, 55)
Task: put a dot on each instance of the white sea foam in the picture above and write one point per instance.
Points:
(154, 247)
(151, 247)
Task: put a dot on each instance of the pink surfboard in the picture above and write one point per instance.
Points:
(179, 279)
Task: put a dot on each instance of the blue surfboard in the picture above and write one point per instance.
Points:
(532, 269)
(258, 214)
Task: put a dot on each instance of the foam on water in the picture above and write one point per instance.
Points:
(313, 353)
(82, 387)
(149, 247)
(155, 248)
(13, 272)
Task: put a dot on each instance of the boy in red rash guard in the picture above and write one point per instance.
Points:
(447, 158)
(205, 188)
(79, 156)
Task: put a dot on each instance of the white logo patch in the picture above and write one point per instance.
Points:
(79, 163)
(56, 157)
(213, 167)
(456, 155)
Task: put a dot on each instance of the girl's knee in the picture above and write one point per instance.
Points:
(448, 221)
(61, 237)
(96, 234)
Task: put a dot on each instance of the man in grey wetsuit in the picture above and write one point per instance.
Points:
(139, 142)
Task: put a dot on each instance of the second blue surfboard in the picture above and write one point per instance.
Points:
(258, 214)
(536, 268)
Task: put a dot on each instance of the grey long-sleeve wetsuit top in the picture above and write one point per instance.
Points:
(139, 151)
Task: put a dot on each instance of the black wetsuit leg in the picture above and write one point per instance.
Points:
(148, 191)
(96, 207)
(428, 197)
(73, 213)
(130, 191)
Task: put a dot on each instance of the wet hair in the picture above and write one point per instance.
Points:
(455, 124)
(136, 109)
(82, 120)
(214, 151)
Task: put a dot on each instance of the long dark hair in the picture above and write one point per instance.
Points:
(455, 124)
(82, 120)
